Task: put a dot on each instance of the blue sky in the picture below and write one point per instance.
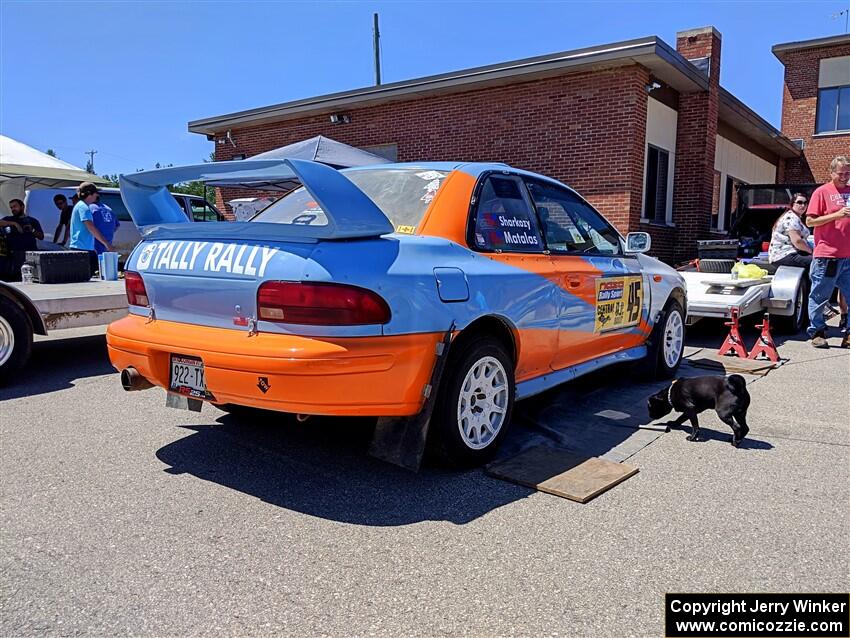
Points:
(124, 78)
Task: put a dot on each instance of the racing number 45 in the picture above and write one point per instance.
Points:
(634, 302)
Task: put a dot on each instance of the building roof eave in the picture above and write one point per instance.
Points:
(663, 61)
(835, 40)
(742, 118)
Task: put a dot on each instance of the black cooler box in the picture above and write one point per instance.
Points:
(718, 248)
(59, 266)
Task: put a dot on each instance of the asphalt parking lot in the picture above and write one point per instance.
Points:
(122, 516)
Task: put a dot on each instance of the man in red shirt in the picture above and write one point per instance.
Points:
(829, 215)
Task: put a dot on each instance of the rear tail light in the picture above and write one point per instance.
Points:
(320, 304)
(135, 286)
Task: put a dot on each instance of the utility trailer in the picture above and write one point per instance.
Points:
(34, 309)
(783, 294)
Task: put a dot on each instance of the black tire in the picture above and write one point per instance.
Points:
(15, 338)
(716, 265)
(655, 365)
(445, 437)
(798, 321)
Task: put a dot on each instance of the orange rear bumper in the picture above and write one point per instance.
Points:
(354, 376)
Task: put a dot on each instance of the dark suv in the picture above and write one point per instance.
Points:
(759, 206)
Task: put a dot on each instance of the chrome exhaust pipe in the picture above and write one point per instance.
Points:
(301, 417)
(131, 380)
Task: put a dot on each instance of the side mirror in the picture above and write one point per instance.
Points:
(638, 243)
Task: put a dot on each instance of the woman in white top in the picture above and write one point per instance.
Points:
(788, 245)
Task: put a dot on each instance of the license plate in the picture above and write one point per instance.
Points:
(187, 377)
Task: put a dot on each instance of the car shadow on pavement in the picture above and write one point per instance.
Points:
(321, 467)
(57, 363)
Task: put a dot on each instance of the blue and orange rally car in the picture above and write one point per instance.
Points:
(336, 299)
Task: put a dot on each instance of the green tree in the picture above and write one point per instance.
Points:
(52, 153)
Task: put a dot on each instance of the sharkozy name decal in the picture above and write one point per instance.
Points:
(216, 257)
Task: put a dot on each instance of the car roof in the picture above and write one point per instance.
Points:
(473, 168)
(111, 190)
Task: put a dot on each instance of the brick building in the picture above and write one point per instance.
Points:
(815, 104)
(643, 130)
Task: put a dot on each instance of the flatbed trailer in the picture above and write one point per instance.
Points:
(783, 295)
(36, 309)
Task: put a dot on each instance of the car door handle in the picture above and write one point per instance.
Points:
(573, 281)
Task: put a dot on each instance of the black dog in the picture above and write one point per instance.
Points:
(727, 395)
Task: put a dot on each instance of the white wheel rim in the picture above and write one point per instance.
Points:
(7, 341)
(674, 336)
(482, 403)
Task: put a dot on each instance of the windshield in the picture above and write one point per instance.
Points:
(402, 194)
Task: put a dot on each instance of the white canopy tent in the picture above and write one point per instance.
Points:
(23, 168)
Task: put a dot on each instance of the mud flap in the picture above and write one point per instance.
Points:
(180, 402)
(401, 440)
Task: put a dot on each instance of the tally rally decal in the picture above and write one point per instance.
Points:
(233, 259)
(619, 301)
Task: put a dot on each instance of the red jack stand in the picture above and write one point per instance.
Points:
(733, 344)
(765, 344)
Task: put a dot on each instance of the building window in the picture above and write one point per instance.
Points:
(655, 189)
(833, 109)
(731, 204)
(715, 202)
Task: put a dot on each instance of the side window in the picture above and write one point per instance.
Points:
(504, 218)
(181, 202)
(114, 201)
(203, 212)
(571, 225)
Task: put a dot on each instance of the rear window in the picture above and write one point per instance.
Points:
(402, 194)
(771, 196)
(114, 201)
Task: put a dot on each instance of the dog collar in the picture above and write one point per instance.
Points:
(670, 393)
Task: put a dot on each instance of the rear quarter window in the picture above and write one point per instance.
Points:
(402, 194)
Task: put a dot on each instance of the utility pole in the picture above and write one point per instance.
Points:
(90, 167)
(376, 45)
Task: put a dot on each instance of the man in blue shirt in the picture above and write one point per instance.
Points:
(83, 230)
(105, 221)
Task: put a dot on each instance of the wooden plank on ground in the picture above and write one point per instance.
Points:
(731, 365)
(561, 472)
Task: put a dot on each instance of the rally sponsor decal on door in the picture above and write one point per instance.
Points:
(619, 301)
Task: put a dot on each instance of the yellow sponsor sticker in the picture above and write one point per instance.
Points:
(406, 230)
(619, 301)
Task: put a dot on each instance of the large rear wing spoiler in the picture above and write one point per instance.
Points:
(350, 213)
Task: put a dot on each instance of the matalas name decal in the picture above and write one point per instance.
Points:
(217, 257)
